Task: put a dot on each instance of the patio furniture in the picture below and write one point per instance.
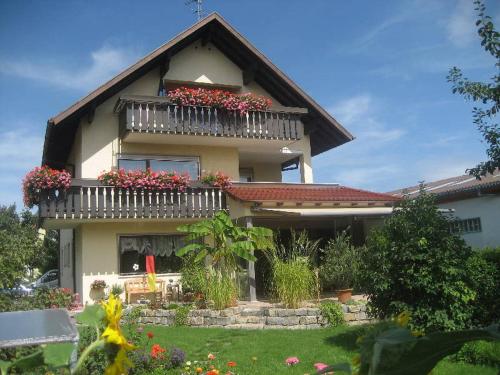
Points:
(139, 289)
(37, 327)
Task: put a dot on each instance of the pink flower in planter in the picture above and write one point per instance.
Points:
(290, 361)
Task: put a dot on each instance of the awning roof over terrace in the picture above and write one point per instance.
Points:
(329, 212)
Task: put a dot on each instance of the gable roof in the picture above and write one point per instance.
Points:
(288, 192)
(324, 130)
(455, 188)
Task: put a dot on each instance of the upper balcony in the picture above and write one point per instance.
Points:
(156, 115)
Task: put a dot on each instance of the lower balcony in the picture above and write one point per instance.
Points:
(90, 200)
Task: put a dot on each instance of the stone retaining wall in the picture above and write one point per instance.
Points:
(255, 317)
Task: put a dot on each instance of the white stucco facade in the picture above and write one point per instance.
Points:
(487, 208)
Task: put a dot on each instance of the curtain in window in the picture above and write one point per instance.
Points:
(155, 245)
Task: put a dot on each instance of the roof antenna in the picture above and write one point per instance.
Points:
(197, 7)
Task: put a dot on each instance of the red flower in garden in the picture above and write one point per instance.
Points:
(150, 335)
(157, 351)
(231, 364)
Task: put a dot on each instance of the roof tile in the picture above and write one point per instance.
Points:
(304, 193)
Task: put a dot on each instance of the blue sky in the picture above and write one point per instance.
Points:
(378, 66)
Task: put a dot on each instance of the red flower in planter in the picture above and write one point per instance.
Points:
(43, 178)
(145, 180)
(219, 99)
(218, 179)
(150, 335)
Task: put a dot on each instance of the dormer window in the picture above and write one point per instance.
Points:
(180, 164)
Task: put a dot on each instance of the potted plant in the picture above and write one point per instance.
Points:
(97, 290)
(338, 267)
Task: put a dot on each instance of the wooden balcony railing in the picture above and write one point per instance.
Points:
(157, 115)
(105, 202)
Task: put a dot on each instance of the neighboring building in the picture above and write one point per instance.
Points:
(475, 205)
(128, 123)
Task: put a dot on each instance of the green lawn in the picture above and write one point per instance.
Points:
(271, 347)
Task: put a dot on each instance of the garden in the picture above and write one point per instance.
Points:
(433, 302)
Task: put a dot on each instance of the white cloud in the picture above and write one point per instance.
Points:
(460, 26)
(21, 150)
(353, 109)
(360, 114)
(104, 64)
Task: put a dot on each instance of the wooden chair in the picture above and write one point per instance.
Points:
(140, 288)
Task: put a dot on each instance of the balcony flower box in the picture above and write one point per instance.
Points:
(43, 178)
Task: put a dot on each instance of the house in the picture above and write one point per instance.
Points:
(129, 123)
(474, 204)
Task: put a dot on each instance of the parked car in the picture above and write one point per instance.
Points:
(17, 290)
(49, 279)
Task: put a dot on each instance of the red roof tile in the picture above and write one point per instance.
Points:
(260, 192)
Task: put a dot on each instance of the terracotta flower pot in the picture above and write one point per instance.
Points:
(344, 295)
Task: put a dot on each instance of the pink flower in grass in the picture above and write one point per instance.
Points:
(290, 361)
(320, 366)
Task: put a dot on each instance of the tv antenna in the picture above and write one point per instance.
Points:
(197, 8)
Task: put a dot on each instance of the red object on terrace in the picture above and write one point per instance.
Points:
(261, 192)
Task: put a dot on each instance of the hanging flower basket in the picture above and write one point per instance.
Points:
(145, 180)
(219, 99)
(40, 179)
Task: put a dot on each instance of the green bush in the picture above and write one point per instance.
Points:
(293, 281)
(412, 263)
(484, 278)
(42, 298)
(333, 313)
(193, 275)
(116, 289)
(98, 361)
(220, 289)
(339, 263)
(482, 353)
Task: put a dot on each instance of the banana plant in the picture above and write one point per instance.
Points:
(224, 242)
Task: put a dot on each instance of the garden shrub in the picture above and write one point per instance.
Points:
(482, 353)
(293, 281)
(116, 289)
(413, 263)
(220, 290)
(339, 263)
(484, 277)
(193, 275)
(98, 361)
(333, 313)
(42, 298)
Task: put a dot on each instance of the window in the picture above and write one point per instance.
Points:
(466, 226)
(246, 174)
(181, 164)
(133, 251)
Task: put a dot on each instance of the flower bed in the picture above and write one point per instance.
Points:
(146, 180)
(219, 99)
(43, 178)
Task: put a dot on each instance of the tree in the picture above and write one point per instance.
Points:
(224, 241)
(413, 263)
(22, 249)
(487, 94)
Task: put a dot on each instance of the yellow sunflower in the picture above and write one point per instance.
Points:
(113, 335)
